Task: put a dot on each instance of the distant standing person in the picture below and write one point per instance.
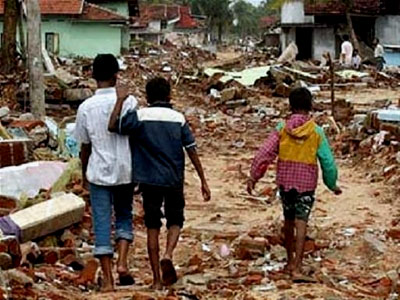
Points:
(356, 61)
(347, 52)
(378, 54)
(107, 170)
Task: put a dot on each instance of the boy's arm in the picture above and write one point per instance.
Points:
(122, 95)
(264, 157)
(328, 164)
(199, 169)
(86, 150)
(82, 135)
(189, 143)
(126, 124)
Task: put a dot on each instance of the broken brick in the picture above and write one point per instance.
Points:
(14, 152)
(283, 285)
(88, 274)
(27, 125)
(394, 233)
(253, 279)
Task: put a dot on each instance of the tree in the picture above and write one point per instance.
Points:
(247, 17)
(218, 12)
(348, 4)
(35, 64)
(9, 42)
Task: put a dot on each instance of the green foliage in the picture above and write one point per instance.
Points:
(221, 14)
(276, 4)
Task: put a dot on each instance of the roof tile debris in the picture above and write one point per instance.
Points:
(98, 13)
(369, 7)
(76, 8)
(56, 7)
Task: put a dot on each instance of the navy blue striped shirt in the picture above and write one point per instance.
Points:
(158, 136)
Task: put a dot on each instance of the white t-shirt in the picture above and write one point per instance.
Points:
(347, 51)
(379, 51)
(110, 162)
(356, 61)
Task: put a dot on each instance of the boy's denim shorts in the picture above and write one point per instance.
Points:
(104, 200)
(297, 205)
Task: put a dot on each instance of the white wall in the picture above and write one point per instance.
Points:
(154, 26)
(387, 29)
(293, 12)
(323, 41)
(287, 36)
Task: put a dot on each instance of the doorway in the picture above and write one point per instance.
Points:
(304, 43)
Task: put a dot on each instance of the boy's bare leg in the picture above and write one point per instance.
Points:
(301, 230)
(289, 244)
(172, 240)
(153, 249)
(122, 262)
(106, 266)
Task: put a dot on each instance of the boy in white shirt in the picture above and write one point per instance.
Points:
(347, 52)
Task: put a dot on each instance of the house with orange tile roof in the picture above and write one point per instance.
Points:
(72, 28)
(160, 22)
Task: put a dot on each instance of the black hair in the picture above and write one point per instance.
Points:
(355, 51)
(346, 37)
(105, 66)
(158, 89)
(377, 40)
(300, 99)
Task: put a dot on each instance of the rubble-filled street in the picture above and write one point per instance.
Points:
(232, 247)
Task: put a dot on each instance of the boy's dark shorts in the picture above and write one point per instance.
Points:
(153, 199)
(297, 205)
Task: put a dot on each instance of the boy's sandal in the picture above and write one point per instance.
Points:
(303, 279)
(169, 276)
(126, 279)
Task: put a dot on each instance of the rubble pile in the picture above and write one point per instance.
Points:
(232, 249)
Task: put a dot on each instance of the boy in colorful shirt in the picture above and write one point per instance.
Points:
(299, 145)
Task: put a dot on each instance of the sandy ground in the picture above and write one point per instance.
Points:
(363, 205)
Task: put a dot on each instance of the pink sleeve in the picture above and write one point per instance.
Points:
(265, 156)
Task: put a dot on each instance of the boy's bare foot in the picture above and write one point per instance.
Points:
(299, 277)
(289, 268)
(169, 276)
(107, 287)
(157, 286)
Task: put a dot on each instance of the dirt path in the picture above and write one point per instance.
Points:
(339, 223)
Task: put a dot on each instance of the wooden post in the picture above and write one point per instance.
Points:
(35, 64)
(22, 35)
(332, 73)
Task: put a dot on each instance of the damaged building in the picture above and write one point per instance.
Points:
(318, 27)
(161, 22)
(75, 27)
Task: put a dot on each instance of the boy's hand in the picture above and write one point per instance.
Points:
(122, 93)
(337, 190)
(251, 184)
(205, 190)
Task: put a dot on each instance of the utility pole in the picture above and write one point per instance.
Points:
(35, 64)
(332, 75)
